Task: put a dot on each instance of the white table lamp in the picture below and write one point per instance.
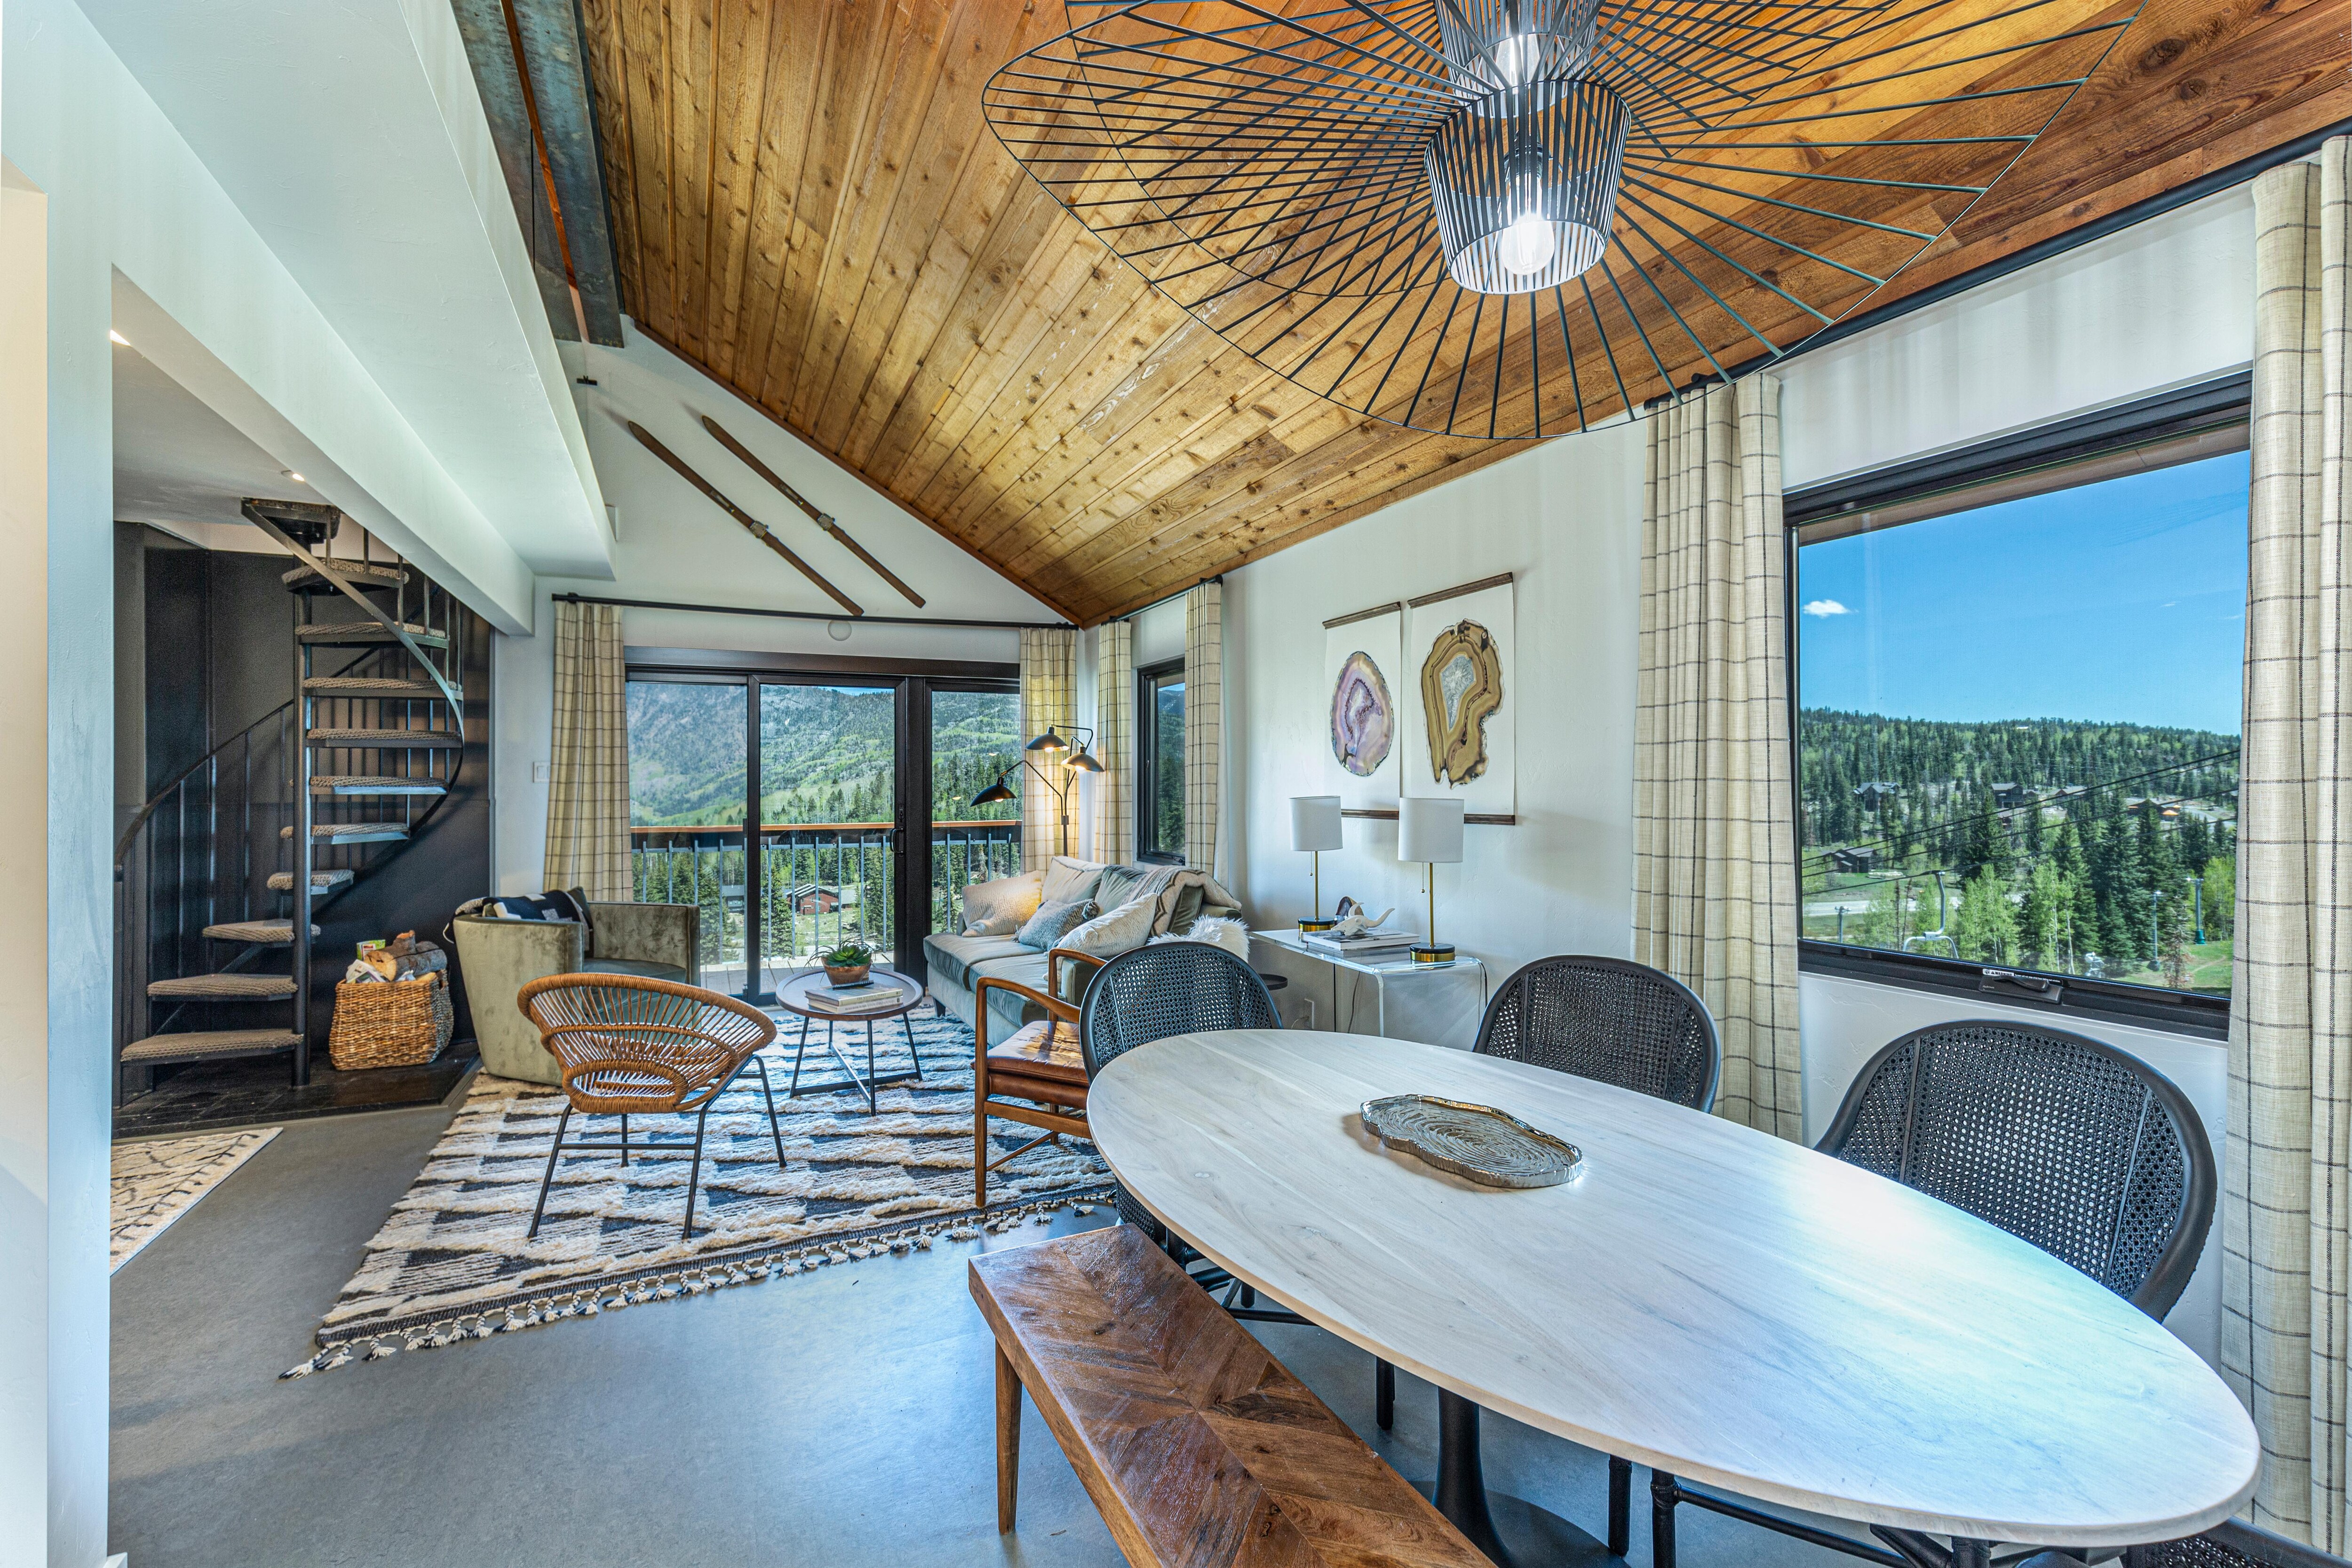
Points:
(1315, 828)
(1429, 829)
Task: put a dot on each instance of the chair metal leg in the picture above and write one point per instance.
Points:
(562, 1122)
(1661, 1519)
(624, 1138)
(694, 1173)
(1384, 1395)
(768, 1092)
(1620, 1505)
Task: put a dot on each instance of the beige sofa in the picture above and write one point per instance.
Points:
(498, 958)
(955, 964)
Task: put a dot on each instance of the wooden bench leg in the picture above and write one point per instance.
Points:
(1008, 1439)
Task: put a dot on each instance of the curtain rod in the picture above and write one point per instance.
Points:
(815, 615)
(1165, 599)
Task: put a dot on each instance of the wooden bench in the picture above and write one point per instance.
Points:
(1200, 1448)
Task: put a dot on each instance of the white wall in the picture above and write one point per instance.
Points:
(136, 231)
(675, 546)
(55, 1126)
(2067, 336)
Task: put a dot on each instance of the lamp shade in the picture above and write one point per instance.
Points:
(1429, 828)
(1314, 822)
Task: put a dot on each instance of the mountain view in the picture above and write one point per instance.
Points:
(827, 754)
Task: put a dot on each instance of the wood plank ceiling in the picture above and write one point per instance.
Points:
(807, 201)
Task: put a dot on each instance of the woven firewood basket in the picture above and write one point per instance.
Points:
(389, 1024)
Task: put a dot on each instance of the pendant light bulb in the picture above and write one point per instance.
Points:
(1527, 246)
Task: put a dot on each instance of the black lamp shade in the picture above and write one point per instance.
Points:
(1048, 741)
(993, 794)
(1492, 44)
(1083, 762)
(1524, 184)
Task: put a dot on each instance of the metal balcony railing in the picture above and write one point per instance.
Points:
(820, 883)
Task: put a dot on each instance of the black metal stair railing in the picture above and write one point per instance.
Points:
(300, 807)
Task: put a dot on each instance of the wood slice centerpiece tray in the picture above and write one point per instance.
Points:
(1485, 1146)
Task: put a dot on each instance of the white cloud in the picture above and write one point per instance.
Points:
(1824, 607)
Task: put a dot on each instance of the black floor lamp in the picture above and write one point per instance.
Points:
(1050, 746)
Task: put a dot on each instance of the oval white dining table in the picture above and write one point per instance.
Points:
(1701, 1297)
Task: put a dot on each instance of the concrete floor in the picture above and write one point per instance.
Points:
(839, 1418)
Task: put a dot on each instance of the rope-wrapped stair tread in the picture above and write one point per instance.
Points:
(332, 633)
(369, 686)
(373, 784)
(268, 933)
(361, 832)
(417, 740)
(200, 1043)
(350, 571)
(1488, 1146)
(249, 987)
(283, 881)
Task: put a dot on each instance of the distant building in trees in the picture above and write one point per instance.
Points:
(1857, 860)
(2009, 796)
(1875, 793)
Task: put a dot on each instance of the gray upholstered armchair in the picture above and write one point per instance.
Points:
(499, 957)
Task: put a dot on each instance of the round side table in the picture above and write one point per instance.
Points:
(793, 996)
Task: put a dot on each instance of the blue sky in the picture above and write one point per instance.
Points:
(2123, 601)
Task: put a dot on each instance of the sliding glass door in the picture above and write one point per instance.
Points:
(804, 809)
(831, 826)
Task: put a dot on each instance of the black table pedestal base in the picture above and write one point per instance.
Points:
(1513, 1532)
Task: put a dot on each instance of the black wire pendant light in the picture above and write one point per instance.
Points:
(1513, 218)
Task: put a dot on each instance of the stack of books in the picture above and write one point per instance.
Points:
(1371, 946)
(854, 1001)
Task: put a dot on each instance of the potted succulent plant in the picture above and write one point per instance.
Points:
(847, 964)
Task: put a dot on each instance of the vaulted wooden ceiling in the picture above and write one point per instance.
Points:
(807, 201)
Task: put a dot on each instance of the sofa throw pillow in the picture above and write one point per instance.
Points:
(1186, 910)
(1066, 880)
(1051, 923)
(998, 908)
(1121, 930)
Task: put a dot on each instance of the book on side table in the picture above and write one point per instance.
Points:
(852, 1000)
(1369, 946)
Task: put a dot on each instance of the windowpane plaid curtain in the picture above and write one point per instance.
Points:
(1049, 663)
(1205, 725)
(588, 792)
(1714, 864)
(1114, 742)
(2287, 1191)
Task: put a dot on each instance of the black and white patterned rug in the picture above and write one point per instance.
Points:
(451, 1263)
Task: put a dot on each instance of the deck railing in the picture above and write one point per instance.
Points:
(820, 883)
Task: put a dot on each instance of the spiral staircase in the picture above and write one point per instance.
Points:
(219, 876)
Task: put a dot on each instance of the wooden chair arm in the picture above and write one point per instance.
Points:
(1055, 1007)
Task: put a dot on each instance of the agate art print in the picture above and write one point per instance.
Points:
(1461, 687)
(1363, 716)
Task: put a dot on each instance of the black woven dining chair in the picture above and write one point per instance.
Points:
(2230, 1545)
(2090, 1154)
(1184, 988)
(1618, 1022)
(1609, 1019)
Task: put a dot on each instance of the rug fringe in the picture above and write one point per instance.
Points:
(588, 1302)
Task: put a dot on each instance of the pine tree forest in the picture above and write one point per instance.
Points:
(2100, 850)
